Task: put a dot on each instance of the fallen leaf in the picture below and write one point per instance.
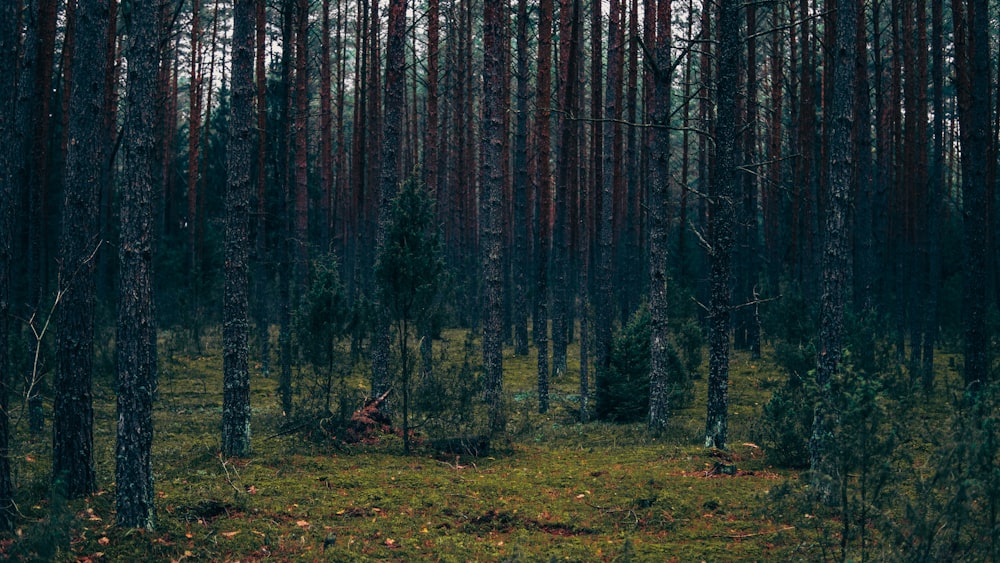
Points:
(29, 457)
(104, 541)
(229, 534)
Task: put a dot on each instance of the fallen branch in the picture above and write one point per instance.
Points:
(744, 536)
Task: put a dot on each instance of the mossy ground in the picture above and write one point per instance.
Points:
(554, 490)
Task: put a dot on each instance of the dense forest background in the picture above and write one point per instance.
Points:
(337, 182)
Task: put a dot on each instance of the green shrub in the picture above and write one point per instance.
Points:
(625, 395)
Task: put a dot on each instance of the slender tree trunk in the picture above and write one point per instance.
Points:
(836, 254)
(972, 63)
(136, 338)
(520, 226)
(682, 219)
(395, 68)
(632, 248)
(9, 150)
(235, 327)
(261, 316)
(431, 155)
(300, 210)
(39, 186)
(611, 173)
(747, 318)
(721, 222)
(659, 226)
(771, 197)
(325, 132)
(491, 225)
(543, 198)
(935, 196)
(282, 165)
(73, 420)
(864, 228)
(194, 138)
(559, 275)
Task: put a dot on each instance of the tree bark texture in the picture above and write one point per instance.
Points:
(543, 198)
(659, 227)
(300, 205)
(722, 216)
(836, 279)
(9, 150)
(136, 338)
(611, 170)
(972, 64)
(395, 68)
(521, 224)
(491, 224)
(235, 326)
(73, 412)
(261, 310)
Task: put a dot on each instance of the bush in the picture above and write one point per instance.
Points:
(625, 395)
(445, 399)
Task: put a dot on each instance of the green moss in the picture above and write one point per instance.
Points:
(554, 489)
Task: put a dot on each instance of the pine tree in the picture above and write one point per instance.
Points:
(235, 326)
(721, 222)
(72, 436)
(8, 189)
(836, 255)
(136, 336)
(491, 224)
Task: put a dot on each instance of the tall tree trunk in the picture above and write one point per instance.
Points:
(261, 316)
(73, 412)
(611, 175)
(565, 157)
(682, 214)
(235, 327)
(395, 85)
(935, 197)
(282, 169)
(194, 138)
(972, 64)
(632, 253)
(39, 186)
(659, 226)
(325, 132)
(747, 317)
(491, 225)
(431, 154)
(721, 222)
(9, 150)
(771, 196)
(864, 233)
(837, 270)
(300, 209)
(543, 198)
(136, 338)
(520, 226)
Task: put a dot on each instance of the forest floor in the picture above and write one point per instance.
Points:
(555, 490)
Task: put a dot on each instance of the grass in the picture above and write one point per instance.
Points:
(554, 490)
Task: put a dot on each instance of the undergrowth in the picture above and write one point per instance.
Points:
(551, 488)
